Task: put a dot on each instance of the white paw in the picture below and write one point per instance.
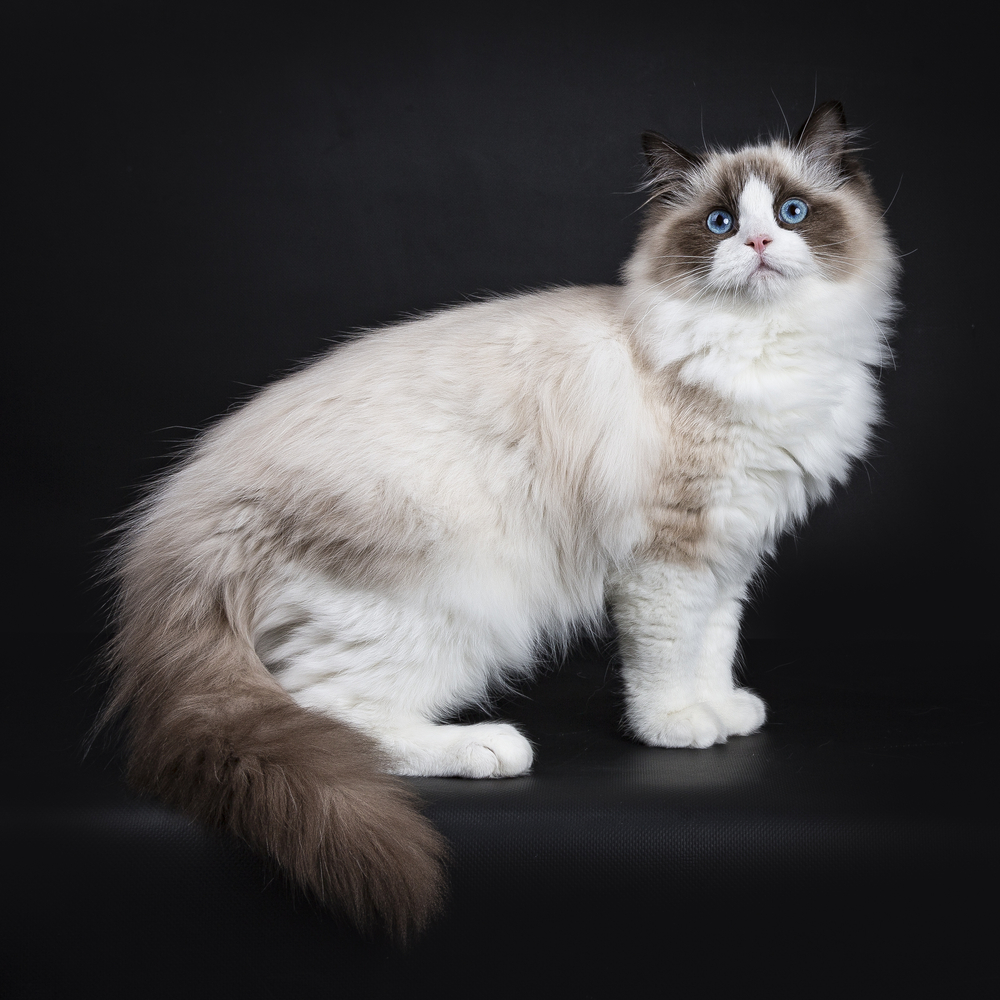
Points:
(742, 711)
(486, 750)
(490, 750)
(737, 713)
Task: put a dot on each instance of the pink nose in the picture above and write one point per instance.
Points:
(759, 242)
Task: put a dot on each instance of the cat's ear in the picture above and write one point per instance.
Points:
(669, 165)
(827, 142)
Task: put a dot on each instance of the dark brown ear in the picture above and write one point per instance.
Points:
(669, 164)
(825, 131)
(826, 139)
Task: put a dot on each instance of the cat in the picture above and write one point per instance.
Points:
(394, 531)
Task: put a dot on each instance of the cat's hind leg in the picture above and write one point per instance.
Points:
(393, 672)
(417, 745)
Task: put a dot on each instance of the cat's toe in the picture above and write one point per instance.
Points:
(691, 726)
(742, 712)
(486, 750)
(737, 713)
(493, 750)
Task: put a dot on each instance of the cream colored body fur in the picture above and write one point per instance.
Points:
(501, 461)
(402, 525)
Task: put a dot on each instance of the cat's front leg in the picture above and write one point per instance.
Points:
(678, 627)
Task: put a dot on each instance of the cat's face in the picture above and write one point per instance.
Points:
(749, 225)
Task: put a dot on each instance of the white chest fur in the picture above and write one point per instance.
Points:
(797, 388)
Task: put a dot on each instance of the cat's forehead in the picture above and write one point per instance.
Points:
(728, 172)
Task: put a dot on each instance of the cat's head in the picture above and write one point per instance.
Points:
(749, 225)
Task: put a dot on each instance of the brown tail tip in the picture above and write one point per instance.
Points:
(307, 791)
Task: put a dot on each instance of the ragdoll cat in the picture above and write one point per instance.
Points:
(381, 538)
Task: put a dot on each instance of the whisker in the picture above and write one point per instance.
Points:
(893, 198)
(788, 127)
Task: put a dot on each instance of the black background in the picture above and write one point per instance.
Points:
(206, 194)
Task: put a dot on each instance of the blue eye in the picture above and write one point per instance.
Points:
(719, 221)
(794, 210)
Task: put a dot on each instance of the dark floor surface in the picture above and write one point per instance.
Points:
(846, 850)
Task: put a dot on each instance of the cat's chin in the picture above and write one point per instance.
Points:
(767, 284)
(763, 286)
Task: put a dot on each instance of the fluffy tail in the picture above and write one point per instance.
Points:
(212, 733)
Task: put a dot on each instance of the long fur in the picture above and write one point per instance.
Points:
(384, 537)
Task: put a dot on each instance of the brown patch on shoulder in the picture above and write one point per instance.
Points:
(695, 449)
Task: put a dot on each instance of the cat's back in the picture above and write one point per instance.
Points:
(489, 387)
(451, 371)
(458, 350)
